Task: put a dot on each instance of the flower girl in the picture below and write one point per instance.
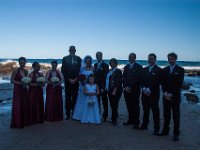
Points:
(91, 113)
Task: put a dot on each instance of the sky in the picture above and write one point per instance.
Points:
(46, 28)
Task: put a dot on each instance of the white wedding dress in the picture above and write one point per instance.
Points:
(81, 110)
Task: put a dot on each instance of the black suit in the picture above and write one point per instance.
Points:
(172, 83)
(100, 77)
(132, 79)
(70, 69)
(151, 79)
(115, 81)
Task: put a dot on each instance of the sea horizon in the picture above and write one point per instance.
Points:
(47, 61)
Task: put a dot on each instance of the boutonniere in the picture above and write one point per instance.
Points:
(75, 62)
(133, 70)
(176, 73)
(153, 73)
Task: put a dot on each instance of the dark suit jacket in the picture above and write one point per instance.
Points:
(132, 77)
(70, 71)
(101, 74)
(172, 82)
(115, 80)
(152, 80)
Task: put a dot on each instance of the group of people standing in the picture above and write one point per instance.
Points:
(88, 85)
(28, 101)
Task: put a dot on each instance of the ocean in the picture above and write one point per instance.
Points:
(162, 63)
(121, 62)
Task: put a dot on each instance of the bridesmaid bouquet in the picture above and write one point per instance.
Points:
(55, 81)
(91, 101)
(41, 81)
(25, 81)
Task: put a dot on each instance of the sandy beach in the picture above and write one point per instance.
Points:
(73, 135)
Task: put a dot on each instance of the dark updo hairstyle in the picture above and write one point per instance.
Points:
(88, 57)
(35, 63)
(113, 60)
(54, 62)
(174, 55)
(22, 59)
(89, 76)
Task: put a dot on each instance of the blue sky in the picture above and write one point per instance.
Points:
(45, 29)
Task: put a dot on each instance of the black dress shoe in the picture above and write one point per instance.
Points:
(136, 127)
(114, 123)
(67, 118)
(143, 127)
(175, 138)
(156, 132)
(163, 133)
(128, 123)
(104, 120)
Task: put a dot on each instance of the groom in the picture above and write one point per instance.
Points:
(70, 68)
(101, 69)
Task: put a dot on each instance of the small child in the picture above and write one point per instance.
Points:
(91, 113)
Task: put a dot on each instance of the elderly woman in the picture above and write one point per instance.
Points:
(20, 106)
(54, 101)
(114, 88)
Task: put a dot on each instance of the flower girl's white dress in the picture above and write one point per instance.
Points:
(91, 113)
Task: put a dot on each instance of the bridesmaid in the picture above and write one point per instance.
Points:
(35, 93)
(20, 106)
(54, 101)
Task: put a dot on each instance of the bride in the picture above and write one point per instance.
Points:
(81, 108)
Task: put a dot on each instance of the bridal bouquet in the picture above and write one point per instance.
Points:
(41, 81)
(82, 79)
(26, 80)
(91, 102)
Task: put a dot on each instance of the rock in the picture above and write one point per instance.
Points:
(186, 86)
(192, 91)
(191, 74)
(190, 97)
(198, 73)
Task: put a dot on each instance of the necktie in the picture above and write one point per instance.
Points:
(72, 60)
(130, 66)
(171, 69)
(150, 68)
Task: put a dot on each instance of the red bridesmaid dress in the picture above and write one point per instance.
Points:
(54, 101)
(36, 100)
(20, 106)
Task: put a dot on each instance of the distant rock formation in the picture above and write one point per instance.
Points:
(7, 68)
(186, 86)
